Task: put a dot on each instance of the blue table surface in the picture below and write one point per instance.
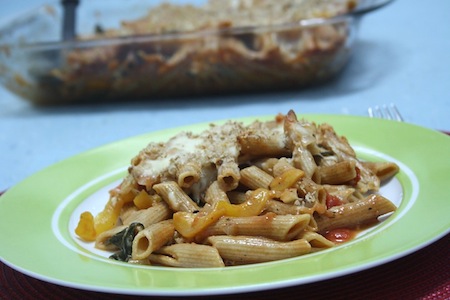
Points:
(402, 55)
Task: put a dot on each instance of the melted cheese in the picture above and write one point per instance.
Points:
(207, 150)
(180, 147)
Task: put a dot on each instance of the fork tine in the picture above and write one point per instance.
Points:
(397, 114)
(385, 112)
(371, 112)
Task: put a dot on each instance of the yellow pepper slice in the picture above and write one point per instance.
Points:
(189, 224)
(85, 228)
(107, 218)
(142, 200)
(286, 180)
(253, 206)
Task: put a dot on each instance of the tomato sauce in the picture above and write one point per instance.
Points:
(343, 235)
(340, 235)
(332, 200)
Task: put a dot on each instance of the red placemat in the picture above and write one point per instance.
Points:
(424, 274)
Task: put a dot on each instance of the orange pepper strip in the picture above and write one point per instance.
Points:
(286, 180)
(189, 224)
(107, 218)
(85, 228)
(254, 205)
(142, 200)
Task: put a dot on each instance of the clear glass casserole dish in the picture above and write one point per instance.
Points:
(149, 50)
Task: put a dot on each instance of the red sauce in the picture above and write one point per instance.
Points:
(340, 235)
(332, 200)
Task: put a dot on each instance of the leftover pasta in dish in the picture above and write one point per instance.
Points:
(168, 17)
(239, 194)
(223, 46)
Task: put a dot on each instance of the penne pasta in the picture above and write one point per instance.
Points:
(188, 174)
(240, 194)
(215, 194)
(340, 146)
(266, 164)
(339, 173)
(148, 216)
(152, 238)
(229, 175)
(187, 255)
(316, 240)
(281, 208)
(352, 215)
(270, 225)
(311, 192)
(283, 164)
(383, 170)
(175, 197)
(239, 250)
(256, 144)
(253, 177)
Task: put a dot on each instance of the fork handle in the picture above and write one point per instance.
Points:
(69, 19)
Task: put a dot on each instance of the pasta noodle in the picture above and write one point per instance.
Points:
(247, 250)
(253, 177)
(239, 194)
(353, 214)
(152, 238)
(270, 225)
(187, 255)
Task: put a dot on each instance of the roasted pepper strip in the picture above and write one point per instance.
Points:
(85, 228)
(107, 218)
(287, 179)
(189, 224)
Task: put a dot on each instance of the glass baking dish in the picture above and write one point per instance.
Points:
(150, 50)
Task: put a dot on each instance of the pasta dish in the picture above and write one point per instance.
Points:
(180, 49)
(240, 194)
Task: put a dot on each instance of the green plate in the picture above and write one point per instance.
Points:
(38, 216)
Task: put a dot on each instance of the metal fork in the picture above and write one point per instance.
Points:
(389, 112)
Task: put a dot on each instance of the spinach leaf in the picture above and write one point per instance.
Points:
(124, 240)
